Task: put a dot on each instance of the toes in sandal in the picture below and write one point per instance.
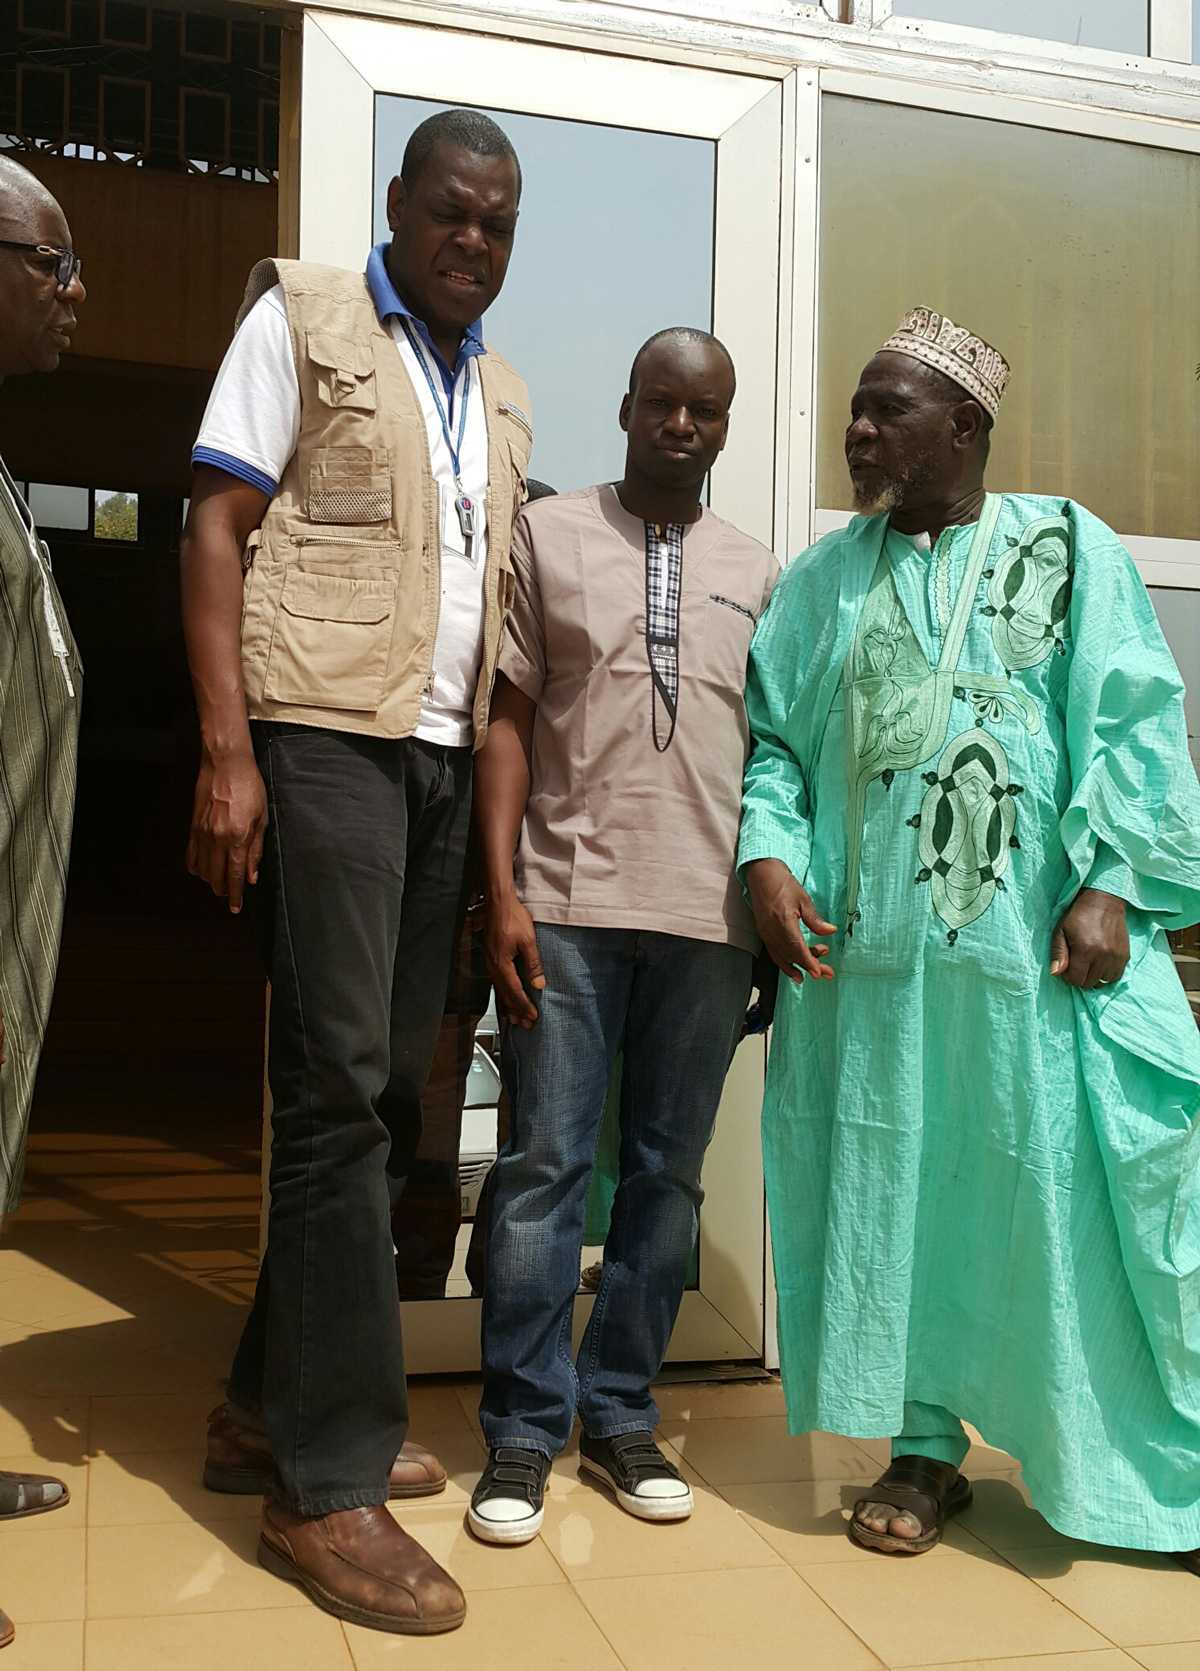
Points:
(930, 1491)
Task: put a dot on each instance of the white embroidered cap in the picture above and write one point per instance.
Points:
(937, 341)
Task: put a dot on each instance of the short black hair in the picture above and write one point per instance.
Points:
(680, 333)
(539, 490)
(470, 130)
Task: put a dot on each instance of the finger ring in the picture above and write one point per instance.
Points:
(1103, 983)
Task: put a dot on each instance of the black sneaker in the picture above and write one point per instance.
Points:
(506, 1505)
(645, 1483)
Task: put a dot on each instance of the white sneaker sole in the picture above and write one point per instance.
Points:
(505, 1531)
(643, 1508)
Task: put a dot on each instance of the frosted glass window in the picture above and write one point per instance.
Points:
(1079, 258)
(60, 507)
(1179, 616)
(1119, 25)
(615, 241)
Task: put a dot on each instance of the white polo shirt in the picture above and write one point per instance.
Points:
(252, 425)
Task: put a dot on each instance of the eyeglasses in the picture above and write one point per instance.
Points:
(67, 265)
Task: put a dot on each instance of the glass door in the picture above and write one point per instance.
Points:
(654, 194)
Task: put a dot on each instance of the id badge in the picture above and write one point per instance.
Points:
(455, 537)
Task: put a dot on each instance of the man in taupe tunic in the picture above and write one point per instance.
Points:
(40, 678)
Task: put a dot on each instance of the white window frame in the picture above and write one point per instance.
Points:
(1170, 28)
(871, 54)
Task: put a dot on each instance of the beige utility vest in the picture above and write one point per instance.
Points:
(343, 579)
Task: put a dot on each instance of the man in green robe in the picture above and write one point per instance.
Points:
(40, 678)
(980, 1130)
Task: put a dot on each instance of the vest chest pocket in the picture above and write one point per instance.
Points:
(350, 485)
(331, 641)
(345, 371)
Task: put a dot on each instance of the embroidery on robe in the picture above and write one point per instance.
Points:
(967, 826)
(1029, 594)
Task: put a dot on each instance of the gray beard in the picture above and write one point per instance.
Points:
(887, 498)
(895, 491)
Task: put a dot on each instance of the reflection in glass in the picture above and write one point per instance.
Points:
(1179, 616)
(1119, 25)
(615, 241)
(1078, 257)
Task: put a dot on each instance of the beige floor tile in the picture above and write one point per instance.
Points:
(759, 1450)
(553, 1629)
(719, 1402)
(135, 1571)
(308, 1641)
(42, 1578)
(434, 1407)
(477, 1566)
(710, 1621)
(1131, 1597)
(46, 1647)
(72, 1514)
(47, 1296)
(592, 1537)
(55, 1429)
(805, 1520)
(917, 1612)
(1103, 1659)
(159, 1422)
(462, 1454)
(1179, 1656)
(1002, 1516)
(468, 1397)
(146, 1488)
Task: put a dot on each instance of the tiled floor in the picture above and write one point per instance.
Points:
(121, 1292)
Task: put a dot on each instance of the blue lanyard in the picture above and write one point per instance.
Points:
(455, 451)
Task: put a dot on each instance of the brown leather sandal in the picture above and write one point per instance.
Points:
(25, 1494)
(7, 1629)
(916, 1485)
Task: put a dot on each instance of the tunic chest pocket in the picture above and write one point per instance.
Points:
(350, 485)
(724, 649)
(332, 637)
(345, 371)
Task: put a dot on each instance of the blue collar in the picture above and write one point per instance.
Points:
(387, 302)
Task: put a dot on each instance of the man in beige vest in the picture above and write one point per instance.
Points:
(361, 463)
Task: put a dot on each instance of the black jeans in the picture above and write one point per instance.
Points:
(362, 889)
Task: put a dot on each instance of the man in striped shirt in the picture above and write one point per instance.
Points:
(40, 676)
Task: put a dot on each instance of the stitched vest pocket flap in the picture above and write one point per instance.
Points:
(332, 638)
(345, 371)
(340, 353)
(335, 597)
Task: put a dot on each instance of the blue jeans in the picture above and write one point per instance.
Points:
(675, 1007)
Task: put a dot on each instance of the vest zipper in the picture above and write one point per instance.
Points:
(337, 539)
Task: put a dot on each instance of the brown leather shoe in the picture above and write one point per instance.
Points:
(239, 1462)
(359, 1565)
(7, 1629)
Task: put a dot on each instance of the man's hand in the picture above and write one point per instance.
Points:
(1090, 946)
(781, 906)
(509, 937)
(229, 821)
